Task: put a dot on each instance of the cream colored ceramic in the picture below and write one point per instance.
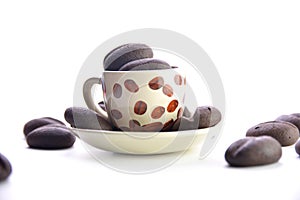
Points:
(139, 97)
(142, 142)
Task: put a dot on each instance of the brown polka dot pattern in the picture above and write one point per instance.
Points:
(131, 86)
(168, 90)
(165, 110)
(116, 114)
(157, 112)
(117, 90)
(140, 108)
(178, 79)
(156, 83)
(172, 106)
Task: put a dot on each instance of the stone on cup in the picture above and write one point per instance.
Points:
(123, 54)
(145, 64)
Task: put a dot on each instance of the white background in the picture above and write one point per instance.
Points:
(254, 44)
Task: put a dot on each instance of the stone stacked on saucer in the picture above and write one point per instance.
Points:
(203, 117)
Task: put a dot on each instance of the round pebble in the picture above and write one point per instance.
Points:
(48, 137)
(297, 147)
(5, 168)
(208, 116)
(184, 123)
(296, 114)
(36, 123)
(284, 132)
(187, 112)
(79, 117)
(123, 54)
(294, 119)
(253, 151)
(145, 64)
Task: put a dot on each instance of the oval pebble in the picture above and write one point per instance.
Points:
(208, 116)
(296, 114)
(253, 151)
(184, 123)
(294, 119)
(145, 64)
(79, 117)
(48, 137)
(123, 54)
(284, 132)
(297, 147)
(5, 168)
(36, 123)
(187, 112)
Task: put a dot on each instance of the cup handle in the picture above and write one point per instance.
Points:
(88, 98)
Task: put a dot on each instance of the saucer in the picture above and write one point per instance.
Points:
(142, 143)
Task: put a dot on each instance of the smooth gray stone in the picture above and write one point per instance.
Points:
(123, 54)
(208, 116)
(50, 137)
(293, 118)
(284, 132)
(79, 117)
(36, 123)
(253, 151)
(5, 168)
(184, 123)
(145, 64)
(297, 147)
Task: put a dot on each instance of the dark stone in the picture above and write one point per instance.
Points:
(123, 54)
(187, 112)
(145, 64)
(183, 123)
(208, 116)
(5, 167)
(296, 114)
(253, 151)
(79, 117)
(293, 118)
(284, 132)
(50, 137)
(36, 123)
(297, 147)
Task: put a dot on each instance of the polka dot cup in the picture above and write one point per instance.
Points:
(139, 100)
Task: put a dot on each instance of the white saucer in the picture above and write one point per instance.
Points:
(142, 143)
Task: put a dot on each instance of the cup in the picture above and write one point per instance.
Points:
(149, 100)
